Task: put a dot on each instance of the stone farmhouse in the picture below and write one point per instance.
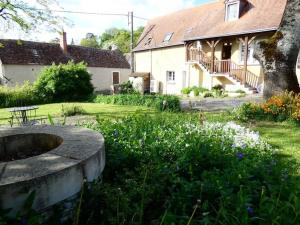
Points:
(208, 45)
(23, 60)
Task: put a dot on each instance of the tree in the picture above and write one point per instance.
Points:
(29, 17)
(278, 55)
(119, 37)
(90, 41)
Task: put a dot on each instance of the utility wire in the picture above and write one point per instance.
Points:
(90, 13)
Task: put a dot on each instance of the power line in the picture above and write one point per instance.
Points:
(91, 13)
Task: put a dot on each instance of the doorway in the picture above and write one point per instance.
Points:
(226, 52)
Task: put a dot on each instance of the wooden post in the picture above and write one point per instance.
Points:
(245, 59)
(212, 47)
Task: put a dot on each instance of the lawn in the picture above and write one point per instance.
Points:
(285, 136)
(92, 109)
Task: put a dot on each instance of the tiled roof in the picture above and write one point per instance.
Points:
(19, 52)
(207, 21)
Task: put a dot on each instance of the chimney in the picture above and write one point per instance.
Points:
(63, 42)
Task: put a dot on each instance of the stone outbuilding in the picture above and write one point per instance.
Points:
(22, 61)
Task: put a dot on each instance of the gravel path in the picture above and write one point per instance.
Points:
(218, 104)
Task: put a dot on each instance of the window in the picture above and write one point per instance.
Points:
(116, 78)
(170, 76)
(232, 11)
(168, 37)
(251, 59)
(148, 42)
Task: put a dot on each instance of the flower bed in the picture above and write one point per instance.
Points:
(278, 108)
(165, 170)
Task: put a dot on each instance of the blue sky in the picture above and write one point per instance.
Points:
(83, 24)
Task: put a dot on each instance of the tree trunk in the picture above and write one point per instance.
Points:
(278, 55)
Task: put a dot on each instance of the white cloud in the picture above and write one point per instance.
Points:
(97, 24)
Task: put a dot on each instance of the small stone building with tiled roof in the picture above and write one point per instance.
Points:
(23, 60)
(205, 45)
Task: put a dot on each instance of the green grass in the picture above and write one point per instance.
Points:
(92, 109)
(285, 136)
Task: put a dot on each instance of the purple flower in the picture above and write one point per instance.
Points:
(240, 155)
(250, 210)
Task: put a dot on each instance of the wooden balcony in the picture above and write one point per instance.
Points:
(222, 67)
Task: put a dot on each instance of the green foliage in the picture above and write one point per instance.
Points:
(196, 90)
(160, 102)
(119, 37)
(90, 41)
(159, 168)
(277, 108)
(18, 96)
(127, 88)
(28, 16)
(72, 110)
(186, 91)
(64, 82)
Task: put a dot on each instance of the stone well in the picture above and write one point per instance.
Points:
(53, 161)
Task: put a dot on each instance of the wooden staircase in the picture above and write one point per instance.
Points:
(226, 68)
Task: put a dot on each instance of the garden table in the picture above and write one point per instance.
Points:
(23, 114)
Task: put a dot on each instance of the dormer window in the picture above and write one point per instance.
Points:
(232, 12)
(233, 9)
(168, 37)
(148, 42)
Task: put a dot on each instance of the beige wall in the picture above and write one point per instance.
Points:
(158, 61)
(101, 79)
(18, 74)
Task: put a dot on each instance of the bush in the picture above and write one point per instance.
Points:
(127, 88)
(72, 110)
(18, 96)
(186, 91)
(196, 90)
(277, 108)
(160, 102)
(161, 169)
(64, 82)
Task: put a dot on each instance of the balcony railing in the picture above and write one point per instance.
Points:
(223, 67)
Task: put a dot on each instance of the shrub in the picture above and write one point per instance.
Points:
(18, 96)
(160, 102)
(72, 110)
(249, 111)
(127, 88)
(186, 91)
(160, 168)
(218, 87)
(64, 82)
(208, 94)
(196, 90)
(277, 108)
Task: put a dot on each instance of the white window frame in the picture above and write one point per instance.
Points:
(227, 11)
(171, 76)
(251, 59)
(168, 37)
(112, 77)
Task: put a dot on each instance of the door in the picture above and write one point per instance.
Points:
(226, 56)
(226, 52)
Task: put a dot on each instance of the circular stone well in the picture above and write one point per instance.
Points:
(53, 161)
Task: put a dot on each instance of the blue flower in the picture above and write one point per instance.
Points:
(250, 210)
(240, 155)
